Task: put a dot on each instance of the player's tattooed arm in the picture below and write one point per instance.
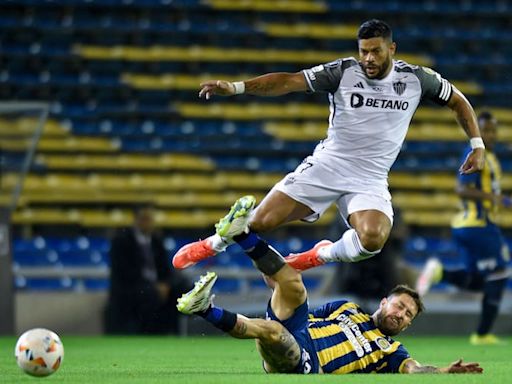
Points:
(276, 84)
(467, 120)
(458, 366)
(240, 329)
(464, 113)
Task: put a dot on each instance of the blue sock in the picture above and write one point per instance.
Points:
(252, 244)
(266, 258)
(247, 241)
(220, 318)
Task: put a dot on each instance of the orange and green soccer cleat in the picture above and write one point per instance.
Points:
(308, 259)
(193, 253)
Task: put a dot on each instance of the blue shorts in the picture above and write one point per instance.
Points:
(483, 248)
(297, 325)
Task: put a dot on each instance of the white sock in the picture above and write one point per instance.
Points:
(348, 249)
(218, 243)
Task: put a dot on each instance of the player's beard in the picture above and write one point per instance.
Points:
(382, 69)
(386, 325)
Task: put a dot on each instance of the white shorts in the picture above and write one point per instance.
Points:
(316, 187)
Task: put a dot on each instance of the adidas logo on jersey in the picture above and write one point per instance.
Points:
(359, 85)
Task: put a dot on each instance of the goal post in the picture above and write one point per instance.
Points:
(21, 126)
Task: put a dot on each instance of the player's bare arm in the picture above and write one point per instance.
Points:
(466, 118)
(271, 84)
(276, 345)
(412, 366)
(469, 193)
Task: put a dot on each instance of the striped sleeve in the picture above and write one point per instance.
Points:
(327, 309)
(433, 86)
(397, 359)
(327, 77)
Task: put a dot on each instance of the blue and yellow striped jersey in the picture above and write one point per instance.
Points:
(477, 213)
(347, 341)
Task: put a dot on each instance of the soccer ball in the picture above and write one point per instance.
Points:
(39, 352)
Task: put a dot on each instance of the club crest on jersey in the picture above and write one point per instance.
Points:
(383, 344)
(399, 87)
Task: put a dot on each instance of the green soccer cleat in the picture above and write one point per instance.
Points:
(200, 297)
(235, 222)
(487, 339)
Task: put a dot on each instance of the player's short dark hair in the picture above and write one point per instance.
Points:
(375, 28)
(402, 288)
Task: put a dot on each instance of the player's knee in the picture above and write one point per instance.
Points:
(272, 332)
(263, 222)
(293, 289)
(372, 238)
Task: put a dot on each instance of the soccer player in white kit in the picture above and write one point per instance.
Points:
(372, 101)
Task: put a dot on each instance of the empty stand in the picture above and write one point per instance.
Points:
(127, 127)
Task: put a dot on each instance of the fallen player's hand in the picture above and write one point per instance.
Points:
(460, 367)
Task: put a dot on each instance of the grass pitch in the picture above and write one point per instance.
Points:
(105, 360)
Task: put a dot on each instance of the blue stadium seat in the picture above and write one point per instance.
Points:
(82, 258)
(45, 284)
(36, 258)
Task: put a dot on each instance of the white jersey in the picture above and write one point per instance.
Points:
(369, 117)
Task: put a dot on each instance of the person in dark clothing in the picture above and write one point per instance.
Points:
(143, 289)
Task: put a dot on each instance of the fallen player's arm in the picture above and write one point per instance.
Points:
(412, 366)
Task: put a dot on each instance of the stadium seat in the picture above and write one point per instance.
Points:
(126, 126)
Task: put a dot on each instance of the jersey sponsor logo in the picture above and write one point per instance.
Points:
(359, 85)
(383, 344)
(399, 87)
(354, 335)
(357, 101)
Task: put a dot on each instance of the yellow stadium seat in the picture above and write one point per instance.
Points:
(302, 6)
(214, 54)
(426, 201)
(426, 181)
(428, 219)
(25, 126)
(80, 144)
(126, 162)
(301, 30)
